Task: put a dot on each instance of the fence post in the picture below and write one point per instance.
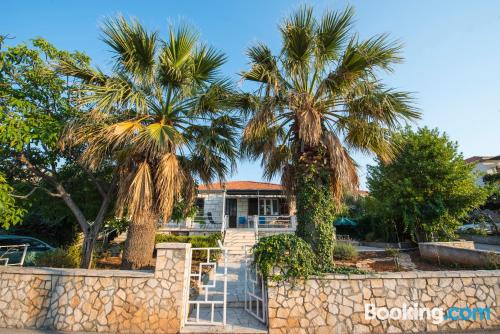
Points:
(173, 263)
(293, 220)
(255, 219)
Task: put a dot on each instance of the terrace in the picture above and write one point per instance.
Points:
(238, 204)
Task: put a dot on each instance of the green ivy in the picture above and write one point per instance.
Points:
(284, 256)
(316, 213)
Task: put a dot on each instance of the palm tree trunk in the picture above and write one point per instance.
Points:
(316, 212)
(140, 243)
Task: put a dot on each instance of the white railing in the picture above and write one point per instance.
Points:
(255, 289)
(205, 282)
(9, 252)
(199, 222)
(272, 223)
(225, 222)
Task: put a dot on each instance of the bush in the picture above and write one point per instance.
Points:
(394, 253)
(344, 251)
(59, 257)
(427, 189)
(286, 253)
(196, 241)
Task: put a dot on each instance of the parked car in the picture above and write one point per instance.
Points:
(476, 227)
(15, 254)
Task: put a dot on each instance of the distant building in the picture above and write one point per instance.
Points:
(484, 165)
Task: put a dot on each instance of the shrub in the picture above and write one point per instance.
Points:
(427, 189)
(284, 256)
(196, 241)
(68, 257)
(344, 251)
(370, 236)
(394, 253)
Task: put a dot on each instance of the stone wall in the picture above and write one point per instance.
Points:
(336, 303)
(98, 300)
(461, 252)
(457, 244)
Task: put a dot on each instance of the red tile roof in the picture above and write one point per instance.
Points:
(476, 158)
(241, 185)
(482, 158)
(363, 193)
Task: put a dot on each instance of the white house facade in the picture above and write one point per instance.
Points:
(239, 204)
(484, 165)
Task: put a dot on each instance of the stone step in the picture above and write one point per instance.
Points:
(237, 321)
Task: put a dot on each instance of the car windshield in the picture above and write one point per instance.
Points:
(8, 242)
(33, 244)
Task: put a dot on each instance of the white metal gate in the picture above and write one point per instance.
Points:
(207, 297)
(255, 289)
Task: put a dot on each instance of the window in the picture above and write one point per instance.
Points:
(268, 207)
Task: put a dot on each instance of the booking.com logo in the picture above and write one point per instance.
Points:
(436, 314)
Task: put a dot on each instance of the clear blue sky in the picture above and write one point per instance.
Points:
(452, 48)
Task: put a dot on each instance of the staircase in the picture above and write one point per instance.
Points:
(235, 242)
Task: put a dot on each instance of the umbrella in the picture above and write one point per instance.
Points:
(345, 222)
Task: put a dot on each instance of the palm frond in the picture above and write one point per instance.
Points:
(117, 92)
(206, 64)
(87, 74)
(369, 137)
(176, 61)
(134, 48)
(297, 33)
(343, 173)
(331, 34)
(264, 66)
(135, 194)
(169, 180)
(372, 101)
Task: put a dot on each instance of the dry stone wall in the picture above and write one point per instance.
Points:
(336, 303)
(97, 300)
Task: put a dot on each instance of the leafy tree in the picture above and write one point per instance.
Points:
(36, 103)
(10, 213)
(162, 115)
(317, 100)
(427, 188)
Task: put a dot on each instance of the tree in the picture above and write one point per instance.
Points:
(317, 100)
(163, 114)
(10, 213)
(35, 103)
(427, 188)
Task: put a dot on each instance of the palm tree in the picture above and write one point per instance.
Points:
(163, 116)
(317, 100)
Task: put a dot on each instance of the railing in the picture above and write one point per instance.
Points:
(13, 252)
(255, 289)
(343, 237)
(199, 222)
(273, 223)
(225, 222)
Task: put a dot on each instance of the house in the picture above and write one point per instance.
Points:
(238, 204)
(484, 165)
